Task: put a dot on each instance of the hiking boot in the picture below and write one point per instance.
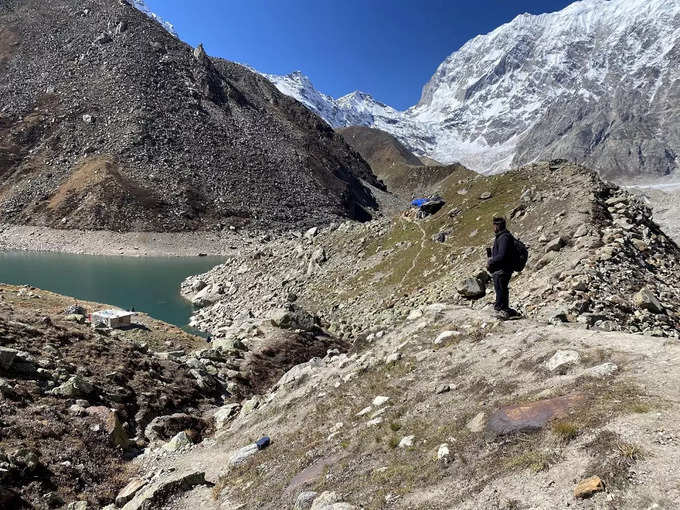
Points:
(503, 315)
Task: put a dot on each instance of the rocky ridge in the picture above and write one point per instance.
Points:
(600, 261)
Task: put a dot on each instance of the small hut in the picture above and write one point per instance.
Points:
(112, 318)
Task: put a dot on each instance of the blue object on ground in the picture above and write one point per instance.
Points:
(263, 443)
(419, 202)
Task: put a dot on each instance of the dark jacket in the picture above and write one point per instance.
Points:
(502, 253)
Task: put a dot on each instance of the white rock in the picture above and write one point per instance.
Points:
(414, 315)
(603, 370)
(443, 451)
(364, 411)
(562, 358)
(406, 441)
(445, 335)
(375, 421)
(380, 400)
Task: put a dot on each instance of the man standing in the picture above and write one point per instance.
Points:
(500, 264)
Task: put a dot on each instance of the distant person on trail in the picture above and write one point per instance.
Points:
(501, 264)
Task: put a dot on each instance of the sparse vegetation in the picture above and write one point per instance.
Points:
(565, 430)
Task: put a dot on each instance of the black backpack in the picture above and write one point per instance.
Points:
(519, 261)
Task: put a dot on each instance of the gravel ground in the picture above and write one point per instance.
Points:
(102, 242)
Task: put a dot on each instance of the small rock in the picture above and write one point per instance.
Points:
(224, 414)
(374, 421)
(445, 335)
(304, 500)
(443, 452)
(603, 370)
(76, 386)
(485, 196)
(588, 487)
(477, 423)
(311, 233)
(392, 358)
(380, 400)
(414, 315)
(442, 389)
(406, 442)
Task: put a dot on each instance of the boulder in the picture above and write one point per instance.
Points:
(293, 317)
(117, 434)
(152, 495)
(224, 415)
(304, 500)
(75, 387)
(561, 359)
(129, 491)
(208, 295)
(177, 443)
(646, 300)
(555, 245)
(7, 357)
(164, 428)
(485, 196)
(531, 415)
(471, 288)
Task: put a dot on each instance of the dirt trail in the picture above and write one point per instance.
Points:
(423, 241)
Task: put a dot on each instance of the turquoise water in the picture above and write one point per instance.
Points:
(149, 284)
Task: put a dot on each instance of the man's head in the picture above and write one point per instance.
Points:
(498, 224)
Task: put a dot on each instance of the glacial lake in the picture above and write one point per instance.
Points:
(149, 284)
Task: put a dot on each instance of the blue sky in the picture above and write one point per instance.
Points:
(387, 48)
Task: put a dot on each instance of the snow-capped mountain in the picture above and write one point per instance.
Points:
(598, 83)
(141, 5)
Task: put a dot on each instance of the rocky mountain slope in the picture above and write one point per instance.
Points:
(110, 122)
(595, 83)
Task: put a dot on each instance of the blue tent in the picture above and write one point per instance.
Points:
(419, 202)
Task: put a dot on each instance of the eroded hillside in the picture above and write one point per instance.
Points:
(109, 122)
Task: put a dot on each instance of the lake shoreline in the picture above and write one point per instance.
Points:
(129, 244)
